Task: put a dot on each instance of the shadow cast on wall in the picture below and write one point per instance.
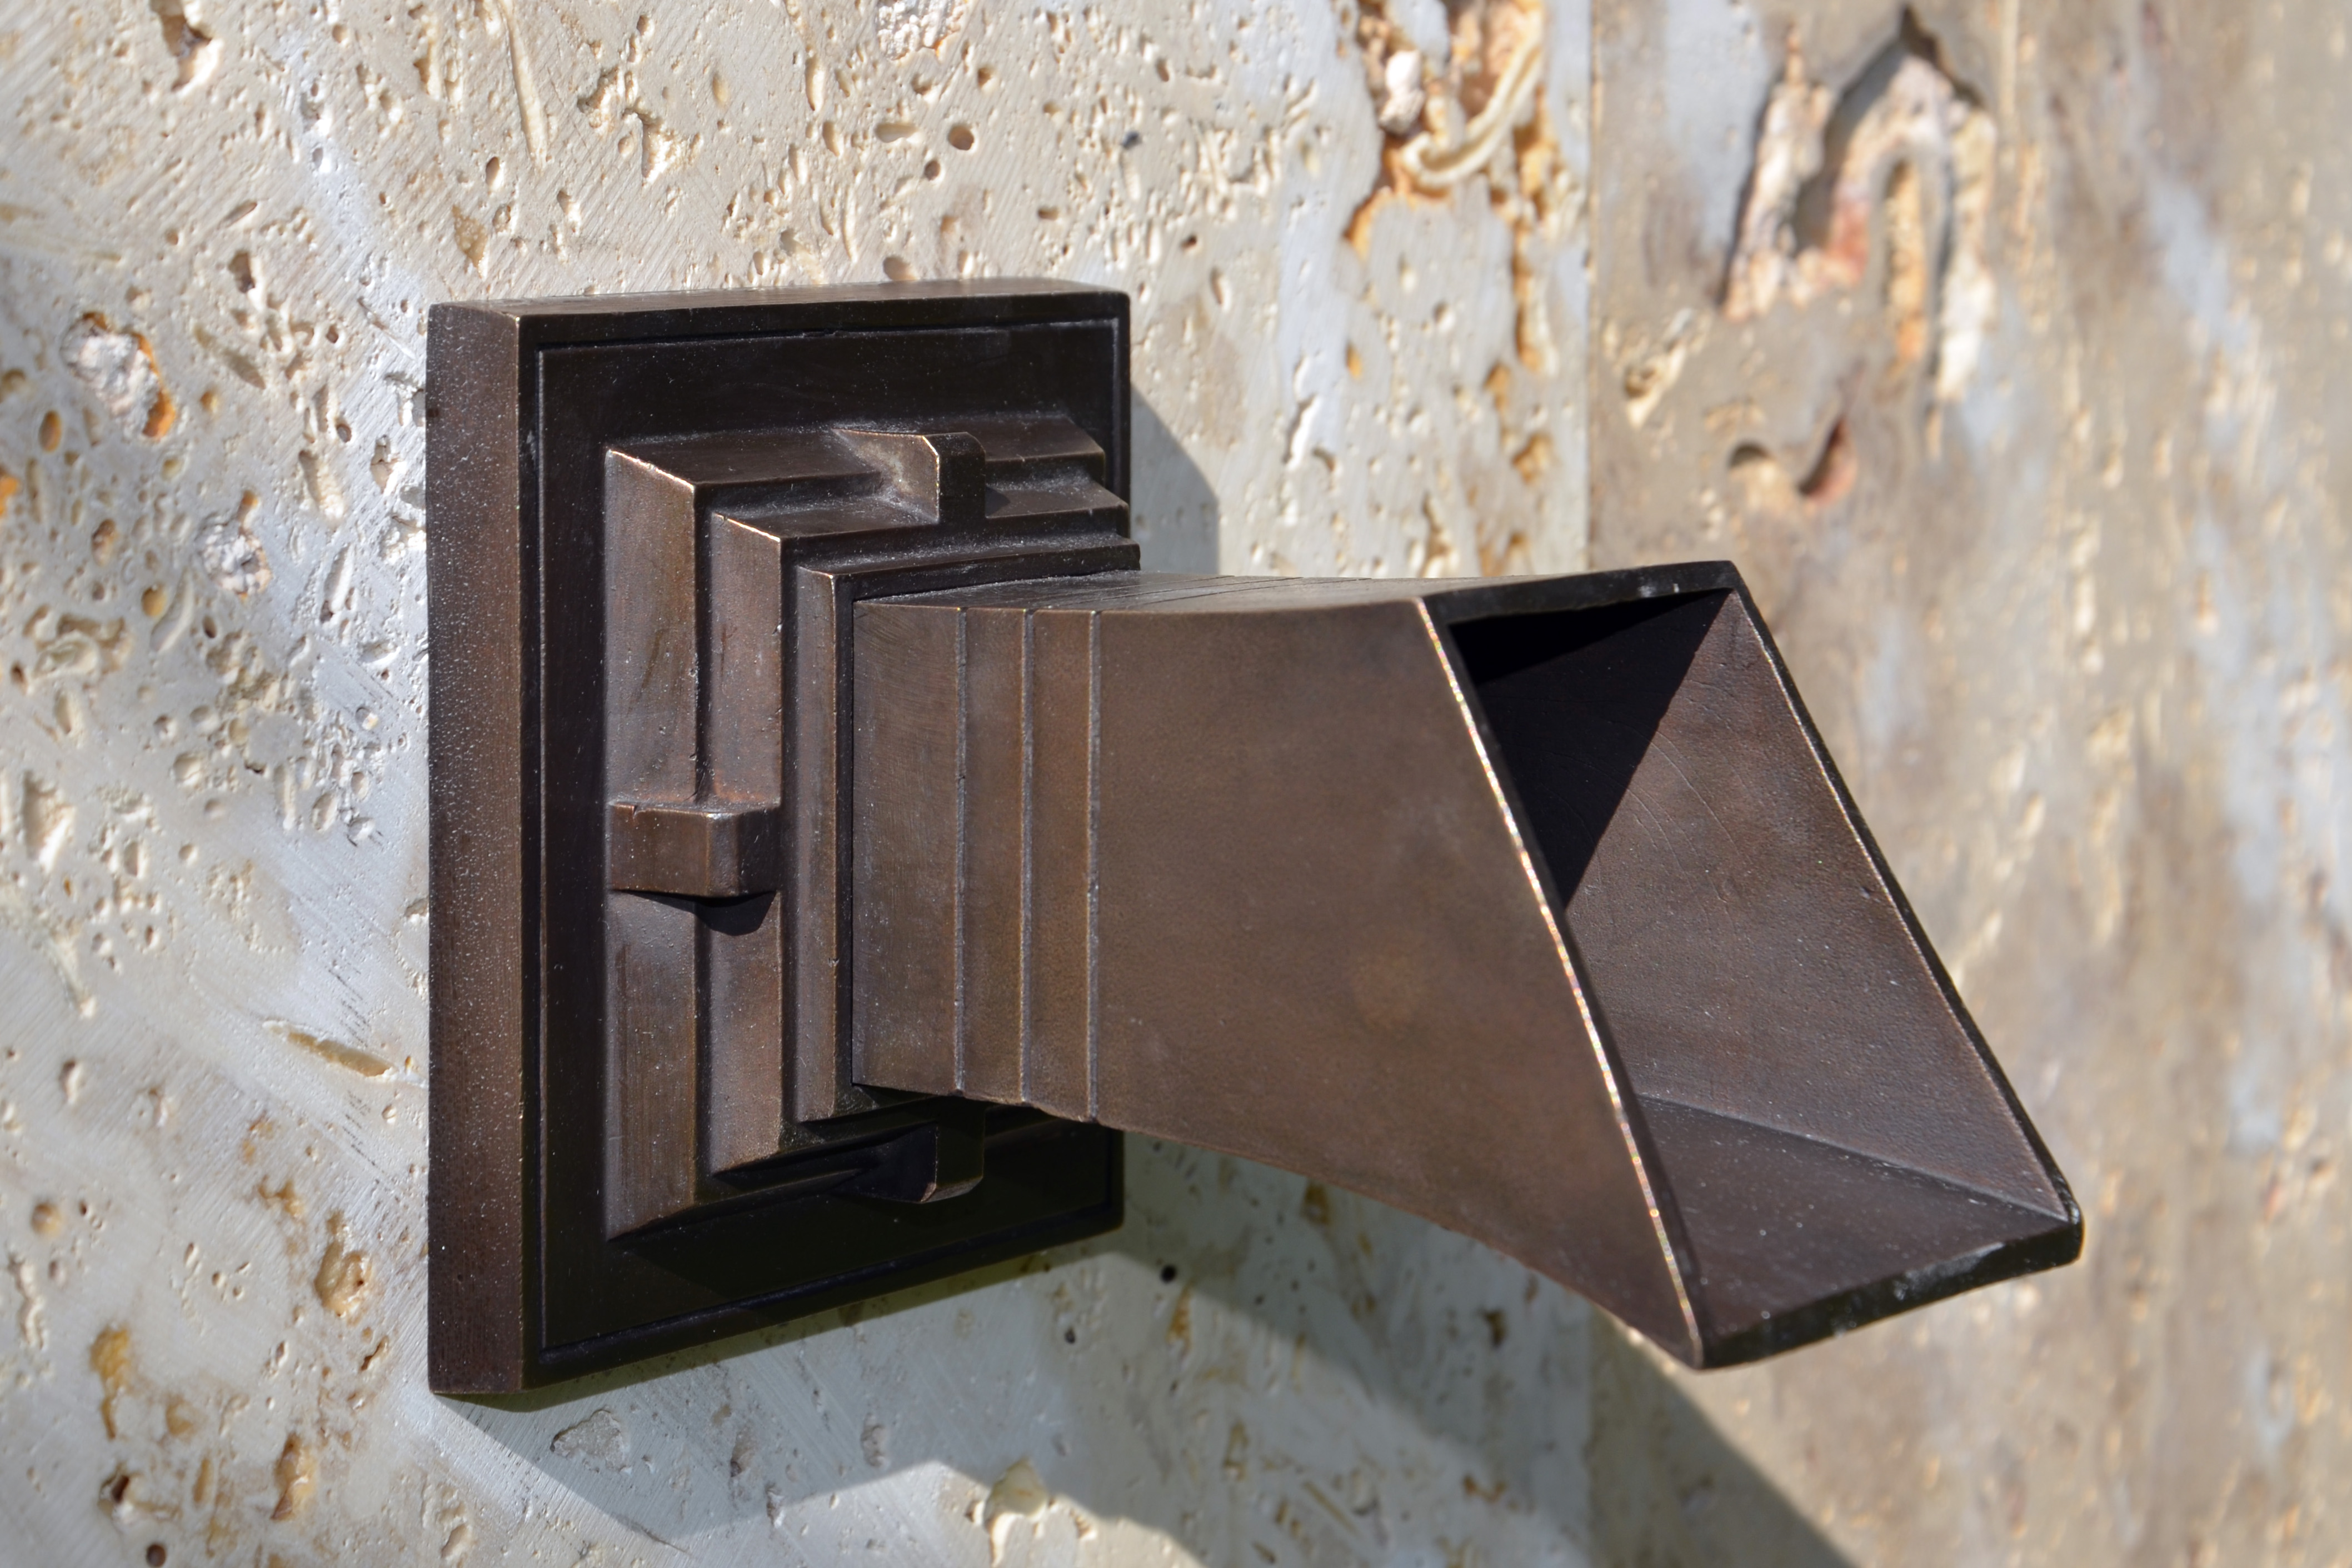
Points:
(1173, 506)
(1669, 1490)
(1251, 1348)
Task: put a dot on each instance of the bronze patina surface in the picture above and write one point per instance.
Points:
(880, 837)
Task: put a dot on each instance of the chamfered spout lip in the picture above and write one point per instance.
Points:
(1836, 1312)
(1840, 1313)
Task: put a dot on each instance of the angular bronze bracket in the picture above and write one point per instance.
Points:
(834, 835)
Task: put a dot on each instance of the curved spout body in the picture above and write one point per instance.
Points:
(1533, 908)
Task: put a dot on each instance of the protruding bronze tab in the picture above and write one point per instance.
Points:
(702, 851)
(942, 474)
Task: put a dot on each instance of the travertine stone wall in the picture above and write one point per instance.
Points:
(2027, 419)
(1357, 350)
(1997, 341)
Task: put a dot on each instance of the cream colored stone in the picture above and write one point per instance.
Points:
(212, 883)
(2050, 521)
(2036, 483)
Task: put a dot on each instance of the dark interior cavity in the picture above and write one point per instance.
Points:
(1825, 1121)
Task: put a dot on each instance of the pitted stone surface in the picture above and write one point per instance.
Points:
(220, 228)
(2002, 348)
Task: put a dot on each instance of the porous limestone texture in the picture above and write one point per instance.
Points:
(2004, 344)
(1357, 349)
(2000, 342)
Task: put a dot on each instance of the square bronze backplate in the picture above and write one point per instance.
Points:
(524, 399)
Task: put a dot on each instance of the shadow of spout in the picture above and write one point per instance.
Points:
(1536, 908)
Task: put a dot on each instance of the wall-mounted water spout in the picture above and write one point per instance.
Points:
(1533, 908)
(880, 837)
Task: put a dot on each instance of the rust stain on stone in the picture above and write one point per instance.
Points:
(351, 1058)
(297, 1474)
(110, 1357)
(283, 1198)
(1478, 113)
(1180, 1322)
(343, 1281)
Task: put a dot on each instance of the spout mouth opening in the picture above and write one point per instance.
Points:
(1826, 1138)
